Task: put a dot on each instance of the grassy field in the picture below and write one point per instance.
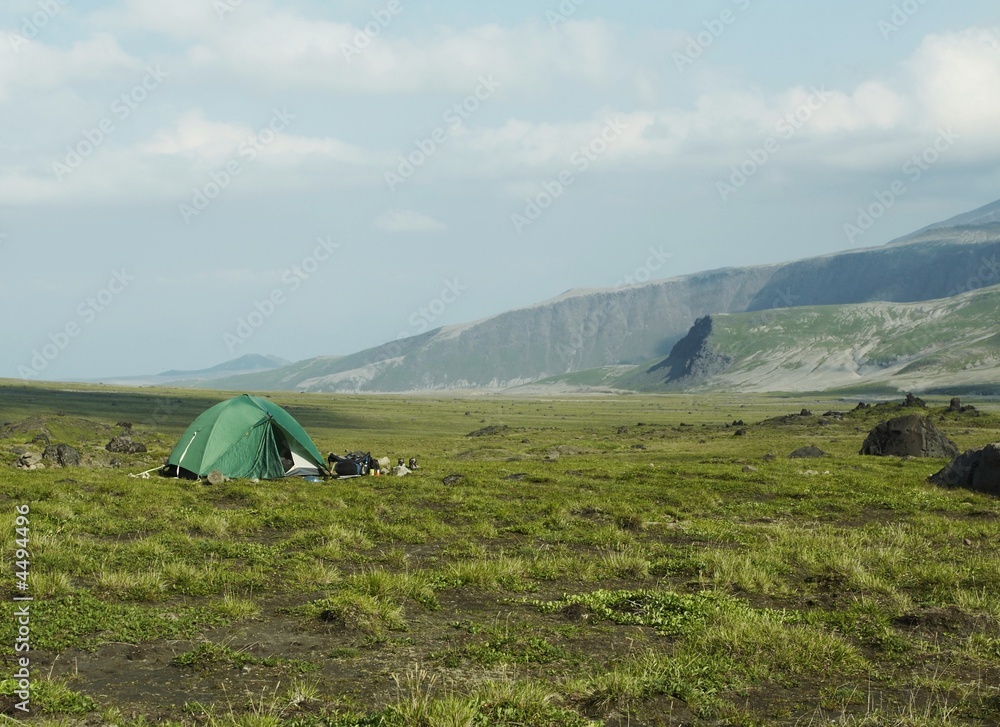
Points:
(590, 561)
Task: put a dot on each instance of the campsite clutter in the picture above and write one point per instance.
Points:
(358, 464)
(251, 437)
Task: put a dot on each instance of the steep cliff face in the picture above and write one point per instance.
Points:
(583, 330)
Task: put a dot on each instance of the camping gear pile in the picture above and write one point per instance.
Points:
(355, 464)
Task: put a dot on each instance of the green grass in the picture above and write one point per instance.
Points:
(605, 560)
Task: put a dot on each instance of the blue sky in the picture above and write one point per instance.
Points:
(185, 182)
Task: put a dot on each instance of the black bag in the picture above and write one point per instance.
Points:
(356, 464)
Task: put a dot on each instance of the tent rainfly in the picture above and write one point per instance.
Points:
(246, 437)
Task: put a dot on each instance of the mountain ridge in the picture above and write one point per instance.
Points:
(584, 329)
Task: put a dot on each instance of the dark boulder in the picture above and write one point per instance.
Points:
(811, 452)
(62, 454)
(955, 405)
(123, 444)
(913, 401)
(977, 469)
(908, 436)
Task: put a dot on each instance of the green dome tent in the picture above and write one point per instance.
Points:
(246, 437)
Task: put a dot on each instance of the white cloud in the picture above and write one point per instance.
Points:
(401, 221)
(179, 157)
(270, 48)
(958, 80)
(35, 67)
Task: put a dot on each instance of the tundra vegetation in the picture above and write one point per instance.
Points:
(597, 561)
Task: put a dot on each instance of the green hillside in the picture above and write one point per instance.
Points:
(912, 346)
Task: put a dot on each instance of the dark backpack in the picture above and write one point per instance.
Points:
(355, 464)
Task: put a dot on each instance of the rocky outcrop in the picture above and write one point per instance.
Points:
(811, 452)
(692, 359)
(123, 444)
(977, 469)
(908, 436)
(62, 455)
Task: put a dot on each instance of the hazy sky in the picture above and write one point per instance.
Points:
(184, 182)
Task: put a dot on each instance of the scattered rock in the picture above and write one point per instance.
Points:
(742, 432)
(62, 454)
(955, 404)
(452, 480)
(805, 413)
(750, 468)
(517, 477)
(29, 461)
(862, 406)
(739, 423)
(912, 435)
(551, 456)
(623, 430)
(913, 401)
(123, 444)
(769, 457)
(977, 469)
(811, 452)
(41, 438)
(216, 478)
(489, 431)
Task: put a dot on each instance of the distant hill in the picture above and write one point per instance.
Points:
(932, 345)
(590, 329)
(250, 363)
